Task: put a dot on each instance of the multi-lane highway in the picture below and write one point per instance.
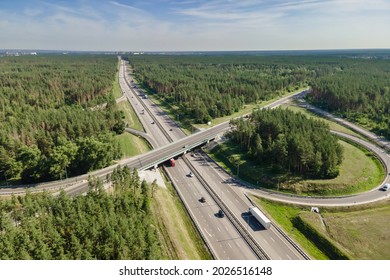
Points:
(222, 234)
(219, 232)
(223, 239)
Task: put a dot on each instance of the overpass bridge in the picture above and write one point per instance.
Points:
(145, 161)
(155, 157)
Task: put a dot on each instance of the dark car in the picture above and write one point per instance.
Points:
(221, 214)
(202, 199)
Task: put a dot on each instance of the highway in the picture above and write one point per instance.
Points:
(219, 233)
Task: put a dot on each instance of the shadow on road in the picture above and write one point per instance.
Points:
(251, 221)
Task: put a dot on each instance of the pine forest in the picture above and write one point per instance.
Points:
(51, 124)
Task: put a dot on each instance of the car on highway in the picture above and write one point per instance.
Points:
(152, 122)
(190, 174)
(220, 213)
(202, 199)
(385, 187)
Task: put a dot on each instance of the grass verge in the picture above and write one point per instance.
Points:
(130, 117)
(116, 90)
(131, 145)
(179, 237)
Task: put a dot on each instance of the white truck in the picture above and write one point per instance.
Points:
(260, 217)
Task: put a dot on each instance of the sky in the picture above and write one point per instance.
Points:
(194, 25)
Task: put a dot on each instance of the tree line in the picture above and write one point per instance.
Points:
(288, 141)
(50, 123)
(98, 225)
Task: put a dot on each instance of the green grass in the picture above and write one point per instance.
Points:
(360, 171)
(130, 117)
(179, 237)
(283, 214)
(363, 233)
(131, 145)
(116, 90)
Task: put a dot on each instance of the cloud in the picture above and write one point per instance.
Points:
(126, 6)
(197, 25)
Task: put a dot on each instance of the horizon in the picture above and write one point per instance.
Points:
(194, 25)
(193, 51)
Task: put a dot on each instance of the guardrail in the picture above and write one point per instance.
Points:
(191, 215)
(175, 154)
(256, 248)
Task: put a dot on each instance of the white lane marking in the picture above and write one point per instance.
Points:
(218, 229)
(207, 232)
(288, 257)
(272, 239)
(229, 245)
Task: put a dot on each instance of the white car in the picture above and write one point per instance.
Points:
(190, 174)
(386, 187)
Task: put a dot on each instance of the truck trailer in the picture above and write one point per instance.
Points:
(260, 217)
(172, 162)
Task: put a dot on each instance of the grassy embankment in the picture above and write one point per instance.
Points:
(360, 171)
(359, 232)
(116, 90)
